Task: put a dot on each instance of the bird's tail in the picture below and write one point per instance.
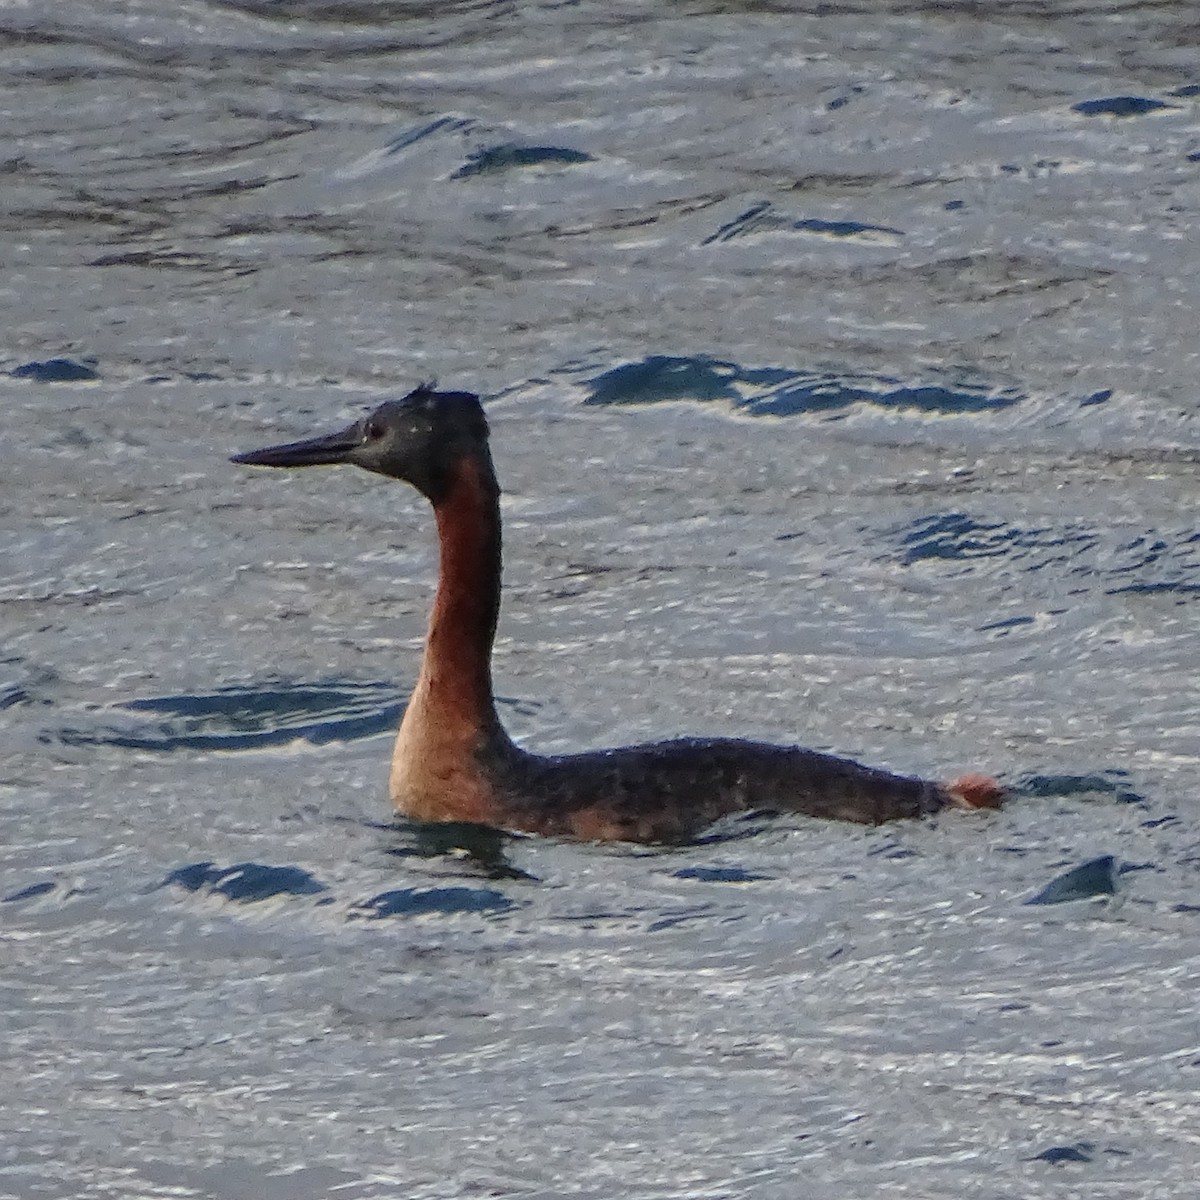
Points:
(974, 791)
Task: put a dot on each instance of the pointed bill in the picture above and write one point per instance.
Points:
(312, 452)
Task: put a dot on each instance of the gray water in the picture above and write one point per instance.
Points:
(841, 362)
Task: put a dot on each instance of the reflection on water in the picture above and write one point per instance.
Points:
(478, 848)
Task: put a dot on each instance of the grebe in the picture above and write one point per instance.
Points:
(453, 760)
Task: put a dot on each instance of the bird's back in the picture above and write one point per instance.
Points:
(669, 791)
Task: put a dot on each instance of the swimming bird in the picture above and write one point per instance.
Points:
(453, 759)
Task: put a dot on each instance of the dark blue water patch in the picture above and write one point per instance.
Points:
(1096, 877)
(445, 901)
(719, 874)
(418, 133)
(58, 370)
(1111, 784)
(841, 229)
(492, 160)
(661, 377)
(1077, 1152)
(245, 883)
(1120, 106)
(1057, 1156)
(1100, 397)
(780, 391)
(958, 536)
(764, 217)
(1188, 89)
(30, 893)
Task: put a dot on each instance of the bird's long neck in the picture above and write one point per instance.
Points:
(453, 695)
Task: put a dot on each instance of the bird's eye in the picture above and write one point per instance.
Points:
(372, 430)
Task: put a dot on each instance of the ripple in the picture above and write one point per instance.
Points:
(435, 150)
(252, 717)
(765, 218)
(418, 133)
(248, 718)
(416, 902)
(1152, 562)
(781, 391)
(1175, 555)
(957, 536)
(492, 160)
(253, 882)
(29, 893)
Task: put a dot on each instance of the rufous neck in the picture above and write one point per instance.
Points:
(456, 671)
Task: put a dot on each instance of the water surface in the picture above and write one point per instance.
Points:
(841, 366)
